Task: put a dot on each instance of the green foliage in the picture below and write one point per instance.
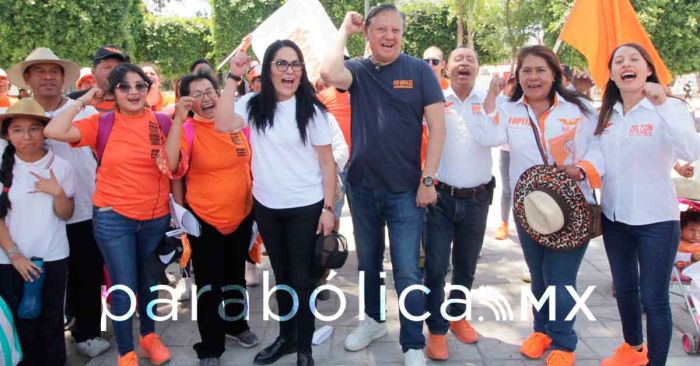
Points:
(73, 29)
(173, 43)
(428, 24)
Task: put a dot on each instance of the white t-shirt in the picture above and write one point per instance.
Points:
(33, 225)
(286, 172)
(84, 165)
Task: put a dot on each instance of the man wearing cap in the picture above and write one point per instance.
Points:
(390, 92)
(46, 75)
(5, 100)
(106, 59)
(86, 80)
(465, 189)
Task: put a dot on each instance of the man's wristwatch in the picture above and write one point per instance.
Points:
(234, 77)
(428, 181)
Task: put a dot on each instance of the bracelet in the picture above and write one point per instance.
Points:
(12, 252)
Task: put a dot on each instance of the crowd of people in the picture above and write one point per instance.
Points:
(86, 180)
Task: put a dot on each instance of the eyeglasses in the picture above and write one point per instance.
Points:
(199, 95)
(141, 87)
(283, 65)
(432, 60)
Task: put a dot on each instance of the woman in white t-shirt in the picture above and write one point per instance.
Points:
(293, 181)
(36, 199)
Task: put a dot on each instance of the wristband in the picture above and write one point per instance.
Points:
(12, 252)
(234, 77)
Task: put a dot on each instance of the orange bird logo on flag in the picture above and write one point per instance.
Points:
(596, 27)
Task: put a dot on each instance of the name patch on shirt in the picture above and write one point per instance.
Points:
(403, 84)
(476, 107)
(519, 121)
(642, 130)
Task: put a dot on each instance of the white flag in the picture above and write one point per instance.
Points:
(306, 23)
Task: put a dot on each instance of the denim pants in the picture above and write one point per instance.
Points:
(506, 194)
(461, 222)
(372, 211)
(129, 251)
(552, 268)
(641, 258)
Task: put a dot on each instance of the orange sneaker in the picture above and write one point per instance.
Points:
(627, 356)
(502, 232)
(128, 359)
(535, 345)
(561, 358)
(156, 352)
(464, 332)
(436, 347)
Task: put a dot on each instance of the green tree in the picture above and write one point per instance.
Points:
(73, 29)
(173, 43)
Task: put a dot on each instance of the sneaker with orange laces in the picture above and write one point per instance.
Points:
(502, 232)
(627, 356)
(156, 352)
(128, 359)
(561, 358)
(464, 331)
(535, 345)
(436, 347)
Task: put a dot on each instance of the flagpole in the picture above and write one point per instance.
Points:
(233, 53)
(557, 45)
(566, 19)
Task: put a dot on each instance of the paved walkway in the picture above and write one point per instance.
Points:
(501, 266)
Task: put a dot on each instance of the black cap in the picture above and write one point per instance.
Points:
(110, 51)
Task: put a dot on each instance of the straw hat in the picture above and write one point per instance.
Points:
(687, 188)
(552, 208)
(26, 107)
(43, 56)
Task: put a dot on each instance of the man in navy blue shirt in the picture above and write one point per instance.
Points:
(390, 93)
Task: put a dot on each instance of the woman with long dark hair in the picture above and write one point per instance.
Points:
(642, 131)
(564, 124)
(136, 158)
(293, 185)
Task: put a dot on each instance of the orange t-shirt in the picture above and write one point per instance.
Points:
(105, 106)
(338, 104)
(219, 183)
(444, 83)
(128, 178)
(7, 101)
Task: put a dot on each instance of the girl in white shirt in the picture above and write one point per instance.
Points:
(36, 199)
(642, 131)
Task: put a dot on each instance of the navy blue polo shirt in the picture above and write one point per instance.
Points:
(387, 112)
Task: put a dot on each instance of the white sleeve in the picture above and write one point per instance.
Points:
(679, 128)
(593, 153)
(67, 180)
(341, 153)
(488, 130)
(319, 131)
(241, 108)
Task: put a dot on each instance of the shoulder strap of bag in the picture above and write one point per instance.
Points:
(537, 136)
(164, 122)
(104, 128)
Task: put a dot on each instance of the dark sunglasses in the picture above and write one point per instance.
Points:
(433, 61)
(283, 65)
(140, 87)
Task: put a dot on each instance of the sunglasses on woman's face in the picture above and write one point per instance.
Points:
(432, 60)
(141, 87)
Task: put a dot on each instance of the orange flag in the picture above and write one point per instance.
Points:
(596, 27)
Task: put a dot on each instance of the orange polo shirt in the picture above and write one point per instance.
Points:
(128, 178)
(444, 83)
(219, 183)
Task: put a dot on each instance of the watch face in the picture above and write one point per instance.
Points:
(428, 181)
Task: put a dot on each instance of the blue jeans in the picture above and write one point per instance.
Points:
(506, 194)
(371, 212)
(129, 250)
(552, 268)
(458, 221)
(641, 258)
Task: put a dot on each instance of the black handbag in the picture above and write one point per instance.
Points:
(331, 251)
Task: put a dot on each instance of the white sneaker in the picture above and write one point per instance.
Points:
(252, 278)
(93, 347)
(364, 334)
(183, 288)
(414, 357)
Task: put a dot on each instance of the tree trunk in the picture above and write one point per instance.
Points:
(460, 30)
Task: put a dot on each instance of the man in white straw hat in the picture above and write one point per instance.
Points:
(45, 74)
